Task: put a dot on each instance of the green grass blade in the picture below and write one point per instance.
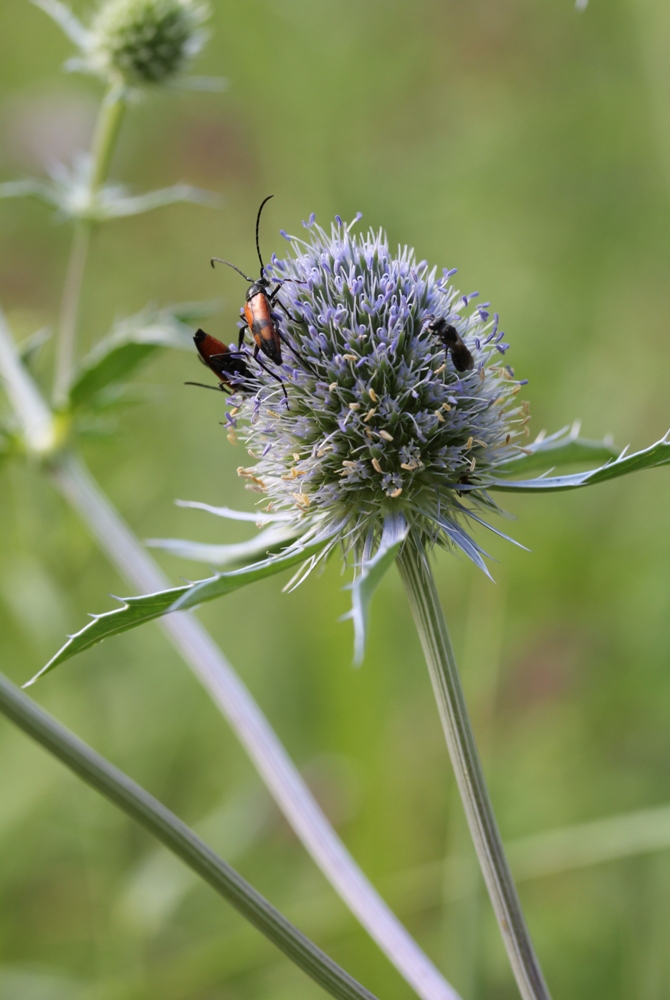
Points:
(137, 803)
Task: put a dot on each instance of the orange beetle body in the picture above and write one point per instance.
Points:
(257, 311)
(257, 314)
(228, 366)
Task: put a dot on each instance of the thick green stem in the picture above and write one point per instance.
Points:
(102, 149)
(178, 838)
(432, 628)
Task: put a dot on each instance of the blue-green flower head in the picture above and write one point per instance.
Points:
(140, 42)
(378, 419)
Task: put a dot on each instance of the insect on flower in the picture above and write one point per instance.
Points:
(449, 336)
(229, 366)
(257, 311)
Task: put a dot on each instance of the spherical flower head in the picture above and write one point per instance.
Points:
(373, 416)
(139, 42)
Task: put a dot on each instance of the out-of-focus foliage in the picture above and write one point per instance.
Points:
(527, 145)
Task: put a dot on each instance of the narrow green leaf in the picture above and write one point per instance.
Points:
(565, 447)
(266, 542)
(113, 203)
(130, 343)
(370, 576)
(225, 583)
(142, 807)
(650, 458)
(257, 517)
(32, 187)
(136, 611)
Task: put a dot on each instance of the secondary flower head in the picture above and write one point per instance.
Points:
(377, 421)
(146, 41)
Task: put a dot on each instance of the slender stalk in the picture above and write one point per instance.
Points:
(102, 148)
(69, 311)
(137, 803)
(253, 730)
(105, 135)
(432, 628)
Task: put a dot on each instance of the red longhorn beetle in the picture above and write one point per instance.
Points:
(229, 366)
(257, 311)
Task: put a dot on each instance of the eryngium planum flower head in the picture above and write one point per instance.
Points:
(146, 41)
(374, 419)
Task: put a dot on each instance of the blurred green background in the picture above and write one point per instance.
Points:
(529, 145)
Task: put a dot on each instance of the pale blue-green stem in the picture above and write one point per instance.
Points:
(438, 651)
(102, 148)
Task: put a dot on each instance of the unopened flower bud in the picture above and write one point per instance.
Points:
(146, 41)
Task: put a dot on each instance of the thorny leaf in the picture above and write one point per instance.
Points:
(649, 458)
(137, 610)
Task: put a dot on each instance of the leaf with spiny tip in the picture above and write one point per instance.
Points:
(462, 541)
(370, 576)
(137, 610)
(565, 447)
(649, 458)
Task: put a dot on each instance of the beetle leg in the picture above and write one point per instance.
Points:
(306, 365)
(287, 313)
(273, 374)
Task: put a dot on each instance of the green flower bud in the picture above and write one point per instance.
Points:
(146, 41)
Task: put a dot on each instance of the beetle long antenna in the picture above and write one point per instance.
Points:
(219, 260)
(258, 222)
(201, 385)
